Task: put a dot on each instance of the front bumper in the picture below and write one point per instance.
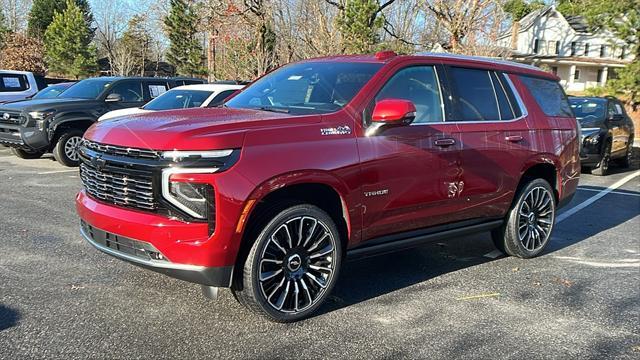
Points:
(173, 247)
(23, 138)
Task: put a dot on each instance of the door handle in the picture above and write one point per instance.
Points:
(445, 142)
(514, 138)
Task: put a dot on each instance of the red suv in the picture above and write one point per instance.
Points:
(346, 155)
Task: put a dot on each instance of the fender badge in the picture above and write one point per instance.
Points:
(340, 130)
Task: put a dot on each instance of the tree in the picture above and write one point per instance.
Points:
(21, 52)
(181, 27)
(68, 43)
(135, 44)
(42, 12)
(4, 29)
(517, 9)
(360, 22)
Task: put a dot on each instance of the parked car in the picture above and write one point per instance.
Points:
(18, 85)
(37, 126)
(181, 97)
(607, 133)
(354, 155)
(52, 90)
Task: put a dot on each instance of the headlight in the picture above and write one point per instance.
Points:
(41, 115)
(194, 198)
(180, 155)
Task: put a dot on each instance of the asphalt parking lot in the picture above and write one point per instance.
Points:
(60, 298)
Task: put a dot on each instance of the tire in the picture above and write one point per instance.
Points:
(66, 151)
(529, 223)
(293, 264)
(625, 162)
(27, 154)
(602, 168)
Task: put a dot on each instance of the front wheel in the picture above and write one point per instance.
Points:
(528, 225)
(66, 149)
(27, 154)
(292, 265)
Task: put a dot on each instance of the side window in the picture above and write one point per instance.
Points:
(419, 84)
(505, 107)
(474, 96)
(155, 89)
(220, 98)
(13, 83)
(130, 91)
(549, 95)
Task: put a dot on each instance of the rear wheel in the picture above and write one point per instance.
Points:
(27, 154)
(602, 168)
(66, 149)
(292, 266)
(529, 223)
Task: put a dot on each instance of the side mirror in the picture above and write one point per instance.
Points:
(391, 112)
(113, 98)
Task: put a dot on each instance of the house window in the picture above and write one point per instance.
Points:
(600, 76)
(603, 51)
(554, 70)
(557, 48)
(623, 51)
(576, 75)
(536, 46)
(574, 48)
(586, 49)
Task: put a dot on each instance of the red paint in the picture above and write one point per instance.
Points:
(414, 163)
(393, 110)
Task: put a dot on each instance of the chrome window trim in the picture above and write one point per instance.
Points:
(504, 91)
(495, 96)
(133, 259)
(478, 58)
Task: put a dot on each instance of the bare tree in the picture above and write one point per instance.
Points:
(16, 13)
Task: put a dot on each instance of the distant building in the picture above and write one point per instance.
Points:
(580, 57)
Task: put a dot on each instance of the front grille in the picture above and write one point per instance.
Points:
(124, 245)
(121, 150)
(122, 189)
(11, 117)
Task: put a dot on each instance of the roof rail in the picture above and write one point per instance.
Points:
(479, 58)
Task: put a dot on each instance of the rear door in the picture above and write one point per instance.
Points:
(410, 172)
(493, 133)
(154, 88)
(617, 124)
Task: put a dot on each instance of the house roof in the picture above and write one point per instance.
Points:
(577, 23)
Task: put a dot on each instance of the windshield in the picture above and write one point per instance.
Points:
(306, 88)
(588, 109)
(178, 99)
(86, 89)
(49, 92)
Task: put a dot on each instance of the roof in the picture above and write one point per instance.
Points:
(577, 23)
(209, 87)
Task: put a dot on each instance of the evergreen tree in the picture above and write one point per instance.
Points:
(42, 12)
(137, 41)
(518, 9)
(68, 43)
(359, 22)
(181, 26)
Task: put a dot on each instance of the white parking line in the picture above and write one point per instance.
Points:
(611, 192)
(57, 171)
(596, 197)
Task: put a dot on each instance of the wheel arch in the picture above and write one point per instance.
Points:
(543, 167)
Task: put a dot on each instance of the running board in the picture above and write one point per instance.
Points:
(410, 242)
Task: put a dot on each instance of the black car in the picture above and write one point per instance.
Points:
(36, 126)
(607, 132)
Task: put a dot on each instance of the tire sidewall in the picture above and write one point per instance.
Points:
(513, 245)
(253, 261)
(58, 151)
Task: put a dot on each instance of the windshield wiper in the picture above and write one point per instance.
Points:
(273, 109)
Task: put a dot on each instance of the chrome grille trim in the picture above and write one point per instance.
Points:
(121, 150)
(119, 189)
(15, 118)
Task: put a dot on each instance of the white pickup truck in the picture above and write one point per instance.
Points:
(18, 85)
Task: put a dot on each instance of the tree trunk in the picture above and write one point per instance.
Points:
(211, 55)
(515, 30)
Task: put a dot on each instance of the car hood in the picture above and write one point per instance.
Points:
(122, 112)
(189, 129)
(42, 104)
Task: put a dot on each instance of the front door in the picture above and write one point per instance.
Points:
(130, 92)
(410, 172)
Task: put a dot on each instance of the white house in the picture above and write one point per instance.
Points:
(565, 44)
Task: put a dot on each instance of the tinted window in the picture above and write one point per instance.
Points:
(131, 91)
(549, 95)
(156, 89)
(306, 88)
(13, 83)
(588, 109)
(86, 89)
(178, 99)
(220, 98)
(419, 85)
(505, 107)
(474, 96)
(50, 92)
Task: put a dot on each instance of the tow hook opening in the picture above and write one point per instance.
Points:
(210, 292)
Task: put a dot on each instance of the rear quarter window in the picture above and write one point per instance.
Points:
(549, 96)
(10, 82)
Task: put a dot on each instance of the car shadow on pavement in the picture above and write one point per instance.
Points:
(8, 317)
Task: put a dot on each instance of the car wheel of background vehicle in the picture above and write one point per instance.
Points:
(625, 162)
(27, 154)
(529, 223)
(292, 266)
(602, 168)
(66, 149)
